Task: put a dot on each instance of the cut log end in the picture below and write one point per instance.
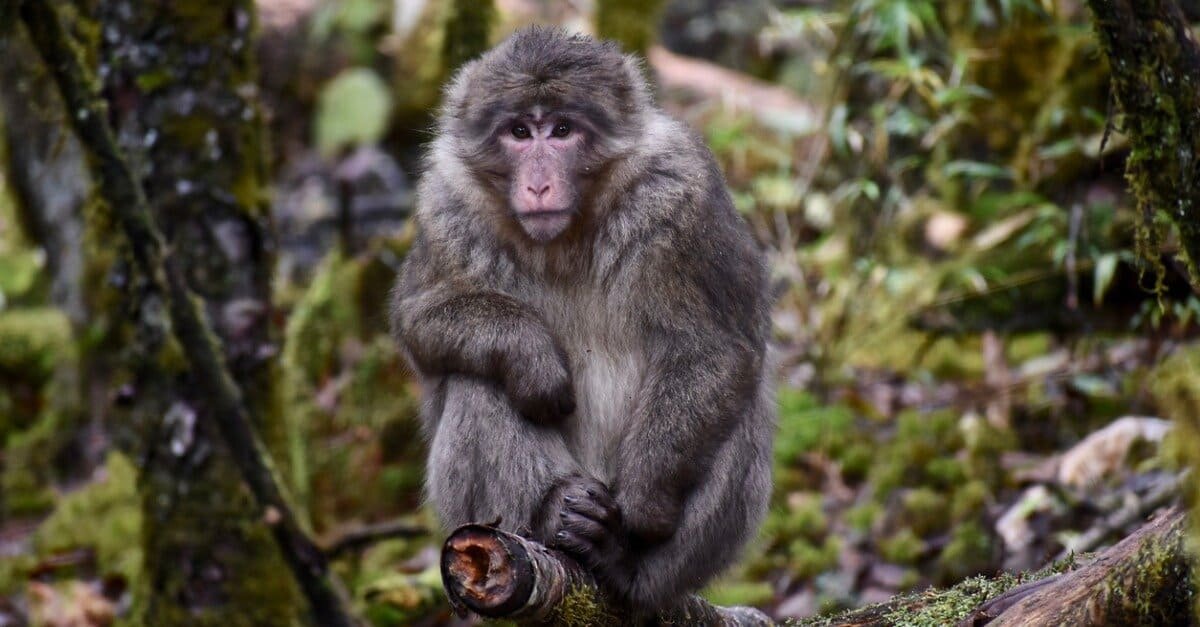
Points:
(486, 573)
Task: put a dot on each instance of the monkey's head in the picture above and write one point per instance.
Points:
(542, 117)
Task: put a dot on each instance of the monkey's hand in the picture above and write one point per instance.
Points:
(538, 383)
(651, 512)
(582, 519)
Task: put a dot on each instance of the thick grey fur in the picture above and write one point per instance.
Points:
(604, 392)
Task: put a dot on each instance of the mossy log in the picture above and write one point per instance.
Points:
(1143, 580)
(496, 574)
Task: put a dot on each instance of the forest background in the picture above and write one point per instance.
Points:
(986, 313)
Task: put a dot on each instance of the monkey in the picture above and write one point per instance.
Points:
(588, 319)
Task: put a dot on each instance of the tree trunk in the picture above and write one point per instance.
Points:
(1155, 66)
(181, 83)
(501, 575)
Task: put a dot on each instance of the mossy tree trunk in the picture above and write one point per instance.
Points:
(632, 23)
(1155, 65)
(181, 83)
(468, 32)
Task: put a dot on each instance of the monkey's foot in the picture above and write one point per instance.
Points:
(585, 523)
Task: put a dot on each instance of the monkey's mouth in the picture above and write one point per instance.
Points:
(543, 225)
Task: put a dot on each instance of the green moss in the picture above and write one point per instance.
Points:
(862, 516)
(969, 500)
(805, 426)
(902, 547)
(924, 510)
(34, 341)
(104, 516)
(580, 607)
(807, 559)
(969, 552)
(739, 593)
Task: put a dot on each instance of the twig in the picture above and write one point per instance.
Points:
(361, 537)
(497, 574)
(127, 200)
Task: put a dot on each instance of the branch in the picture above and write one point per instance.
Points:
(497, 574)
(127, 200)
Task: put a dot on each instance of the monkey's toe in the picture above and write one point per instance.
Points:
(592, 500)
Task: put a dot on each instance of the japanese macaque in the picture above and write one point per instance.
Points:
(588, 316)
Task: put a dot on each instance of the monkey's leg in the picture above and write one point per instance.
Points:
(488, 462)
(718, 518)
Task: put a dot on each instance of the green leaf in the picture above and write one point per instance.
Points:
(976, 169)
(353, 109)
(1106, 267)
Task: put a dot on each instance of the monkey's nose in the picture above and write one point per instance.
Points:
(538, 193)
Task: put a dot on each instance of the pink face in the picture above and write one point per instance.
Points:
(544, 193)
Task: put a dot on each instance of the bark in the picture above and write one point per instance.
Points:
(209, 556)
(46, 169)
(501, 575)
(1155, 66)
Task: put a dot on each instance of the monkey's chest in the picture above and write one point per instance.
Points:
(607, 369)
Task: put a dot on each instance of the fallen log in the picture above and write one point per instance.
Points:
(1143, 580)
(496, 574)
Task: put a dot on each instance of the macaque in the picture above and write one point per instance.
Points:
(588, 317)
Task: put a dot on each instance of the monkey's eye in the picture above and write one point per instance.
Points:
(561, 130)
(520, 131)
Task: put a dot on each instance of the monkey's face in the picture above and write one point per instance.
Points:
(545, 152)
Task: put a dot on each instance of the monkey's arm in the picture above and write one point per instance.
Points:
(688, 405)
(454, 325)
(705, 332)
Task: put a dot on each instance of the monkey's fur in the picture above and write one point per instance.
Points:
(594, 375)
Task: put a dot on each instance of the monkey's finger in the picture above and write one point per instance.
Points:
(583, 526)
(593, 510)
(574, 544)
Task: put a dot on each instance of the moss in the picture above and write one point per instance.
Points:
(808, 559)
(902, 547)
(862, 516)
(580, 607)
(924, 510)
(969, 552)
(336, 347)
(739, 593)
(805, 426)
(969, 500)
(1154, 62)
(103, 516)
(934, 608)
(1176, 389)
(34, 341)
